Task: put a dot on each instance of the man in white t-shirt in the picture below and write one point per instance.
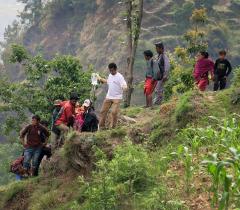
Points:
(116, 86)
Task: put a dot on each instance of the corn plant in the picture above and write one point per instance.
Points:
(215, 169)
(187, 161)
(224, 202)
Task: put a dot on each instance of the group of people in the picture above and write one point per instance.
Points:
(82, 118)
(218, 71)
(158, 67)
(157, 73)
(68, 115)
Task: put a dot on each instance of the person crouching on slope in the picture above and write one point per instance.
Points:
(90, 122)
(150, 82)
(66, 116)
(201, 70)
(116, 86)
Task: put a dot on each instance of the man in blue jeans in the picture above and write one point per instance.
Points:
(31, 138)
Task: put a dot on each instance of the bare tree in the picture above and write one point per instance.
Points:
(134, 20)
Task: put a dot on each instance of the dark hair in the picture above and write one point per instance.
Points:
(148, 53)
(44, 123)
(74, 96)
(36, 117)
(112, 66)
(160, 45)
(222, 52)
(204, 54)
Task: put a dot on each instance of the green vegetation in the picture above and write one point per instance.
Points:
(46, 81)
(8, 152)
(204, 150)
(184, 155)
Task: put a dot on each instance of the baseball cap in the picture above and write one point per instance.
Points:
(87, 103)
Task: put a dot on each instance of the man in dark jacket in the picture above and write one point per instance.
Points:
(33, 144)
(90, 118)
(222, 69)
(164, 63)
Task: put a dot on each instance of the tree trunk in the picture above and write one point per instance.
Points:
(133, 37)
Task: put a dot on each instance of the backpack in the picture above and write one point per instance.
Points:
(55, 117)
(160, 69)
(16, 166)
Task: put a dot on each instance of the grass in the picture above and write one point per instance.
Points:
(62, 192)
(132, 111)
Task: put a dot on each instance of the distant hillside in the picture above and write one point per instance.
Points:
(95, 32)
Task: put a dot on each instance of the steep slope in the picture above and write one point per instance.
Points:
(79, 173)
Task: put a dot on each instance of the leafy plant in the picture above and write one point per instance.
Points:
(188, 168)
(46, 81)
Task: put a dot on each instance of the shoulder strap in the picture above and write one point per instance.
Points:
(59, 114)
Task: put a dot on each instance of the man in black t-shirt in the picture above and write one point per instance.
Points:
(222, 69)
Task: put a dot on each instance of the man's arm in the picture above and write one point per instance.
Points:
(69, 115)
(123, 84)
(102, 80)
(23, 133)
(45, 131)
(212, 67)
(215, 67)
(229, 68)
(166, 67)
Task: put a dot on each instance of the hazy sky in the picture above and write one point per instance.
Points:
(8, 12)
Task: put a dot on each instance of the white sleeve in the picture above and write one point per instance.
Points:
(123, 82)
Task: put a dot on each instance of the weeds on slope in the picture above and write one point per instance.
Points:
(217, 149)
(128, 181)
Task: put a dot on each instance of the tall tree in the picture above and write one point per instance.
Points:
(196, 36)
(134, 20)
(32, 11)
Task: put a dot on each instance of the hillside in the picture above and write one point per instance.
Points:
(95, 32)
(182, 155)
(156, 163)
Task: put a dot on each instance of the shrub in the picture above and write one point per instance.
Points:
(127, 174)
(183, 108)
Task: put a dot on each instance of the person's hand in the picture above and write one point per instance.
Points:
(212, 78)
(98, 77)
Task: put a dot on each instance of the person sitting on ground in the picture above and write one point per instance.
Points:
(66, 117)
(55, 132)
(150, 81)
(34, 144)
(90, 120)
(222, 70)
(78, 121)
(202, 68)
(116, 86)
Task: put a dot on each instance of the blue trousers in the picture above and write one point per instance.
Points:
(31, 154)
